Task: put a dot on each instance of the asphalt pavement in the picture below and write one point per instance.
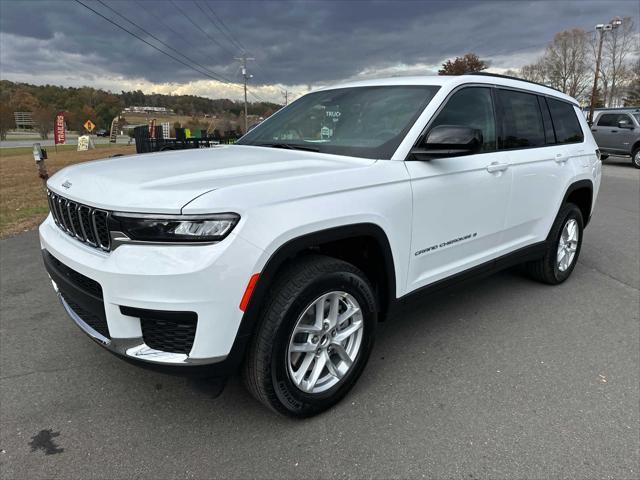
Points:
(502, 378)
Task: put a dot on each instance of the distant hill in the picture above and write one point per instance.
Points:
(102, 106)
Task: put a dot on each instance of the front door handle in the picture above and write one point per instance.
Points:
(614, 131)
(497, 167)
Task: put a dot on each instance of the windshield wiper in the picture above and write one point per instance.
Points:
(290, 146)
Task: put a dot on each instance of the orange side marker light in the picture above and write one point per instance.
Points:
(247, 293)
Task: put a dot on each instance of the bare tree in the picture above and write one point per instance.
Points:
(620, 44)
(566, 62)
(535, 72)
(632, 91)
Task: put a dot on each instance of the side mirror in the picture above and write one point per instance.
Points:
(625, 124)
(448, 141)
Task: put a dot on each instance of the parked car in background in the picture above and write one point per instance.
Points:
(617, 132)
(278, 256)
(102, 132)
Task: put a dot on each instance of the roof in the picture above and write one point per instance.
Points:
(453, 81)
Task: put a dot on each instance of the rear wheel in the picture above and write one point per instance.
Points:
(314, 339)
(563, 247)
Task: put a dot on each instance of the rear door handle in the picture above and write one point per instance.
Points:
(494, 167)
(614, 131)
(594, 129)
(560, 158)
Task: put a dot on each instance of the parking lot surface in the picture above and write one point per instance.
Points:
(501, 378)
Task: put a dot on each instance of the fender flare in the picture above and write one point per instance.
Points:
(288, 250)
(580, 184)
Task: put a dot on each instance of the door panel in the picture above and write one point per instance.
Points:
(459, 214)
(459, 203)
(539, 175)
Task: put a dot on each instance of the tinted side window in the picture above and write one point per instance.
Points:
(471, 107)
(549, 134)
(611, 119)
(521, 120)
(565, 122)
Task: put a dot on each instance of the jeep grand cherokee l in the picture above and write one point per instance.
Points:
(277, 256)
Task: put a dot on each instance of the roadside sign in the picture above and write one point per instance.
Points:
(85, 143)
(58, 129)
(89, 125)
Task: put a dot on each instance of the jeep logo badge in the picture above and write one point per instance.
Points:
(67, 184)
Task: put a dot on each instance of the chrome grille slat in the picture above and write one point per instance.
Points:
(86, 224)
(102, 239)
(62, 208)
(72, 210)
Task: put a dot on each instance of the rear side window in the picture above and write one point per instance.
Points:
(471, 107)
(549, 134)
(565, 122)
(521, 120)
(612, 119)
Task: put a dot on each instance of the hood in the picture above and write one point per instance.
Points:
(165, 182)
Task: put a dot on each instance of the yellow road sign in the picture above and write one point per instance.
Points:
(89, 125)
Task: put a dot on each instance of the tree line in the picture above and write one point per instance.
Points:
(101, 106)
(569, 61)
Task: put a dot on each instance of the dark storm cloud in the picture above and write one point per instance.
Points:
(293, 42)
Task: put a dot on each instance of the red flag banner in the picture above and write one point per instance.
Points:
(58, 129)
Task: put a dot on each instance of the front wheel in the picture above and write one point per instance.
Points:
(635, 158)
(563, 247)
(314, 338)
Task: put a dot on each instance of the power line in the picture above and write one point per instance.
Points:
(231, 40)
(161, 22)
(165, 44)
(199, 27)
(231, 36)
(150, 44)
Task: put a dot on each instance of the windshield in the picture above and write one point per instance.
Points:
(367, 122)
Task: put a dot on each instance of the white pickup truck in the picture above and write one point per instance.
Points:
(277, 256)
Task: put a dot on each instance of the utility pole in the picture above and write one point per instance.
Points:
(285, 92)
(245, 76)
(600, 29)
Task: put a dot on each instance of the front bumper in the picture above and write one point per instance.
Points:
(205, 281)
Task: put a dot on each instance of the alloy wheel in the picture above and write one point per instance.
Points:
(568, 244)
(325, 342)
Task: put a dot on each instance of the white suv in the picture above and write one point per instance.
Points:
(277, 256)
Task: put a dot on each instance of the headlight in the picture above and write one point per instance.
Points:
(174, 228)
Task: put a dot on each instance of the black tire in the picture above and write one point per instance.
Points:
(635, 158)
(266, 372)
(546, 269)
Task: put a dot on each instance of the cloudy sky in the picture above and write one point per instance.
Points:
(296, 45)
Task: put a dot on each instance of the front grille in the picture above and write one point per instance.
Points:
(76, 278)
(87, 224)
(166, 331)
(94, 321)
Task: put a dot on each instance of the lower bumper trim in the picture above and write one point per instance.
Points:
(135, 348)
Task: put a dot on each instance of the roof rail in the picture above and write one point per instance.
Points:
(625, 109)
(488, 74)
